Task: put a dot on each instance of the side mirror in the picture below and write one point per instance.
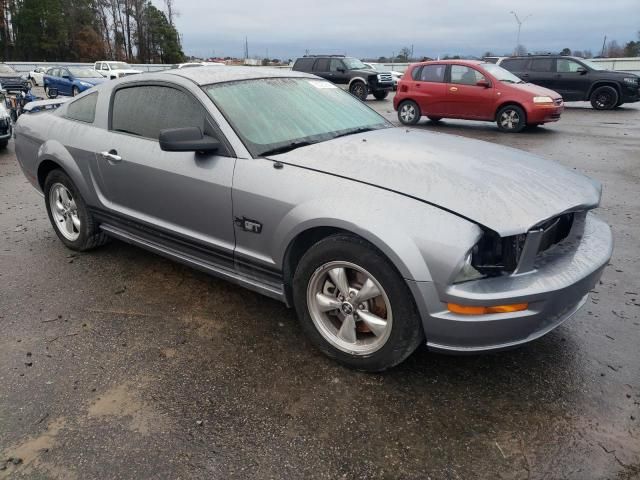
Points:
(341, 70)
(483, 83)
(66, 76)
(52, 92)
(581, 70)
(187, 139)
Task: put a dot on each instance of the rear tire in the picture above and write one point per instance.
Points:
(371, 335)
(358, 89)
(409, 112)
(3, 144)
(381, 95)
(69, 215)
(511, 119)
(604, 98)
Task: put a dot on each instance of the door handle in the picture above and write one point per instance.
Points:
(453, 89)
(111, 155)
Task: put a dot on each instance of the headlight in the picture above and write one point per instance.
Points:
(86, 84)
(630, 80)
(468, 271)
(542, 100)
(24, 76)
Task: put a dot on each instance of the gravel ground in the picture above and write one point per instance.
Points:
(121, 364)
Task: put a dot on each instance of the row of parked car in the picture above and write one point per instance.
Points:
(515, 92)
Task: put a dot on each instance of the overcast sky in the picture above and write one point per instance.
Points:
(286, 28)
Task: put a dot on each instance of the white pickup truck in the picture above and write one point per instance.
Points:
(115, 69)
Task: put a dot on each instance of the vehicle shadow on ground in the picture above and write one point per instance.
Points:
(479, 128)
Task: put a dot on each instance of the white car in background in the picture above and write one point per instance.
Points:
(36, 75)
(115, 69)
(381, 68)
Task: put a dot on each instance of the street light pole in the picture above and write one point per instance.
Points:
(520, 22)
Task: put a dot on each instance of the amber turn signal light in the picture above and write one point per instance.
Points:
(476, 310)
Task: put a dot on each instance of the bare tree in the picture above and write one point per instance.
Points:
(614, 50)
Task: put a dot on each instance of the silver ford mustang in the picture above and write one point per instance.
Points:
(381, 238)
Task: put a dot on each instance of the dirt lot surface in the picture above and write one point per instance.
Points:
(121, 364)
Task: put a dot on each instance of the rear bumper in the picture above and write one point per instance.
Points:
(544, 113)
(555, 290)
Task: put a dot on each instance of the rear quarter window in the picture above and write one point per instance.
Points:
(83, 109)
(542, 65)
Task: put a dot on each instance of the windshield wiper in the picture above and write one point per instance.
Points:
(286, 148)
(355, 130)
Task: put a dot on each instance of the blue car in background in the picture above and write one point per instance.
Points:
(70, 81)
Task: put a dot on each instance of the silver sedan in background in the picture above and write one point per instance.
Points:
(382, 238)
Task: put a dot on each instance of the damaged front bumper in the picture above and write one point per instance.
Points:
(554, 289)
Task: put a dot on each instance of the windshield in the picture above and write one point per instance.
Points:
(353, 64)
(6, 69)
(284, 113)
(500, 73)
(119, 66)
(84, 73)
(593, 65)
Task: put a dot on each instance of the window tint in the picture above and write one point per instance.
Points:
(304, 64)
(322, 65)
(432, 73)
(83, 109)
(145, 110)
(462, 75)
(514, 64)
(542, 65)
(564, 65)
(335, 65)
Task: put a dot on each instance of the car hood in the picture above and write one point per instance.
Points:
(93, 80)
(535, 90)
(501, 188)
(11, 75)
(127, 70)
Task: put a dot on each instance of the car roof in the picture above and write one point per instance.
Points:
(451, 61)
(207, 75)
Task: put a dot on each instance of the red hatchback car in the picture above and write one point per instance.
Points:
(473, 90)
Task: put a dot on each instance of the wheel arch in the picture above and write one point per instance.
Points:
(358, 79)
(53, 155)
(604, 83)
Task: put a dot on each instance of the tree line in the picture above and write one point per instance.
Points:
(88, 30)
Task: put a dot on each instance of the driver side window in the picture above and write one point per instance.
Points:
(145, 110)
(463, 75)
(335, 65)
(567, 66)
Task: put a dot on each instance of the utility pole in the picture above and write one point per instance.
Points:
(520, 22)
(604, 45)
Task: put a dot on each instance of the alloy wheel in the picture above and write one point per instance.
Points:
(407, 113)
(604, 100)
(349, 308)
(64, 211)
(509, 120)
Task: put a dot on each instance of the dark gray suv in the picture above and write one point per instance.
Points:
(576, 79)
(348, 73)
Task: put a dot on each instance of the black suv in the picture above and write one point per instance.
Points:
(576, 79)
(348, 73)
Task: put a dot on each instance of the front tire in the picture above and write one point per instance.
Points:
(69, 215)
(354, 306)
(604, 98)
(409, 112)
(381, 95)
(358, 89)
(511, 119)
(75, 91)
